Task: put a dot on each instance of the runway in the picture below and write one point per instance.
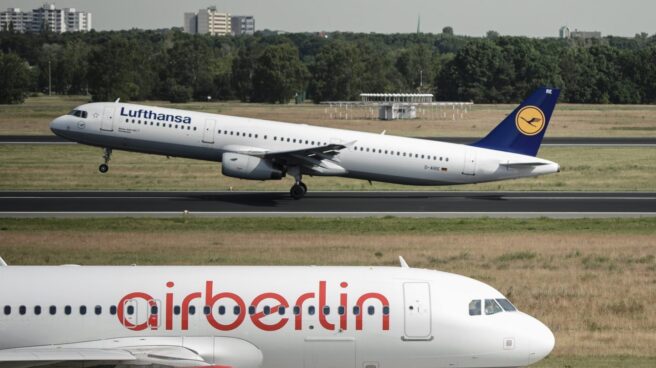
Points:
(354, 204)
(548, 141)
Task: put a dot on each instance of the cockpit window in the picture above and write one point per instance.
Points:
(79, 113)
(475, 308)
(506, 305)
(491, 307)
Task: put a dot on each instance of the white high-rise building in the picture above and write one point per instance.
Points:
(46, 17)
(15, 19)
(209, 21)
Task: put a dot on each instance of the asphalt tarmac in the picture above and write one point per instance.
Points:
(354, 204)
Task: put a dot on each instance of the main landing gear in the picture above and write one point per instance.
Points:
(299, 188)
(107, 155)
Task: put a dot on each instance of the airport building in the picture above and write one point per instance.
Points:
(565, 33)
(208, 21)
(46, 17)
(243, 25)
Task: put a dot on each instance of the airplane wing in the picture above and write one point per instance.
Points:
(318, 160)
(168, 356)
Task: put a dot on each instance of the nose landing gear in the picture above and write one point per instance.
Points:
(107, 155)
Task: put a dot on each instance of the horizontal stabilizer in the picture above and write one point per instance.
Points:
(523, 164)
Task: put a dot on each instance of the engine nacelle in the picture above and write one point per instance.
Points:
(241, 166)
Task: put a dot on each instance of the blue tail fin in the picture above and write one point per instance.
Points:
(522, 131)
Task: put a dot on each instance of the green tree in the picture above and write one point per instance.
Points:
(242, 74)
(15, 79)
(336, 73)
(448, 30)
(278, 74)
(416, 66)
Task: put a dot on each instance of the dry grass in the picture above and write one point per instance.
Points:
(594, 288)
(38, 167)
(33, 117)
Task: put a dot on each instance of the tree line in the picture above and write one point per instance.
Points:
(275, 68)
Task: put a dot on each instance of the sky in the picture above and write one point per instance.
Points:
(533, 18)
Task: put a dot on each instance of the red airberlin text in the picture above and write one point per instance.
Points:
(274, 302)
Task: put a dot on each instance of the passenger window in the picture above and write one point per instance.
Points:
(251, 310)
(386, 310)
(83, 310)
(506, 305)
(37, 310)
(68, 310)
(326, 310)
(22, 310)
(206, 310)
(112, 310)
(53, 310)
(491, 307)
(356, 310)
(311, 310)
(341, 310)
(371, 310)
(7, 310)
(176, 310)
(98, 310)
(236, 310)
(130, 310)
(297, 310)
(281, 310)
(192, 310)
(154, 309)
(221, 310)
(475, 308)
(267, 310)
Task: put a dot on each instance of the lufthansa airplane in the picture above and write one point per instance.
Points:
(266, 150)
(259, 317)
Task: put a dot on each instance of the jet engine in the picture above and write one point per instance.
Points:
(241, 166)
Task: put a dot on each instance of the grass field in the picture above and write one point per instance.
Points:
(33, 117)
(39, 167)
(591, 280)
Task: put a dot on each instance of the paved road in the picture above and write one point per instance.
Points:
(419, 204)
(557, 141)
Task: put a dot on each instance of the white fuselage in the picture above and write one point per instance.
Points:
(403, 317)
(367, 156)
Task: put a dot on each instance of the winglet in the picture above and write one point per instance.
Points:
(404, 264)
(2, 262)
(117, 100)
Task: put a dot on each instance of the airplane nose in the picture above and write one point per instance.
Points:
(542, 342)
(58, 125)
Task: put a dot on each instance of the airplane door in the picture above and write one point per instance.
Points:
(208, 133)
(417, 310)
(329, 353)
(140, 311)
(130, 313)
(107, 123)
(469, 167)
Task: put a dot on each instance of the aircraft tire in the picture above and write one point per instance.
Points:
(297, 192)
(103, 168)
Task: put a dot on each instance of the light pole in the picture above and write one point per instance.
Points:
(49, 79)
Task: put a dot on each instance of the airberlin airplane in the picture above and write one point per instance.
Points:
(269, 317)
(266, 150)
